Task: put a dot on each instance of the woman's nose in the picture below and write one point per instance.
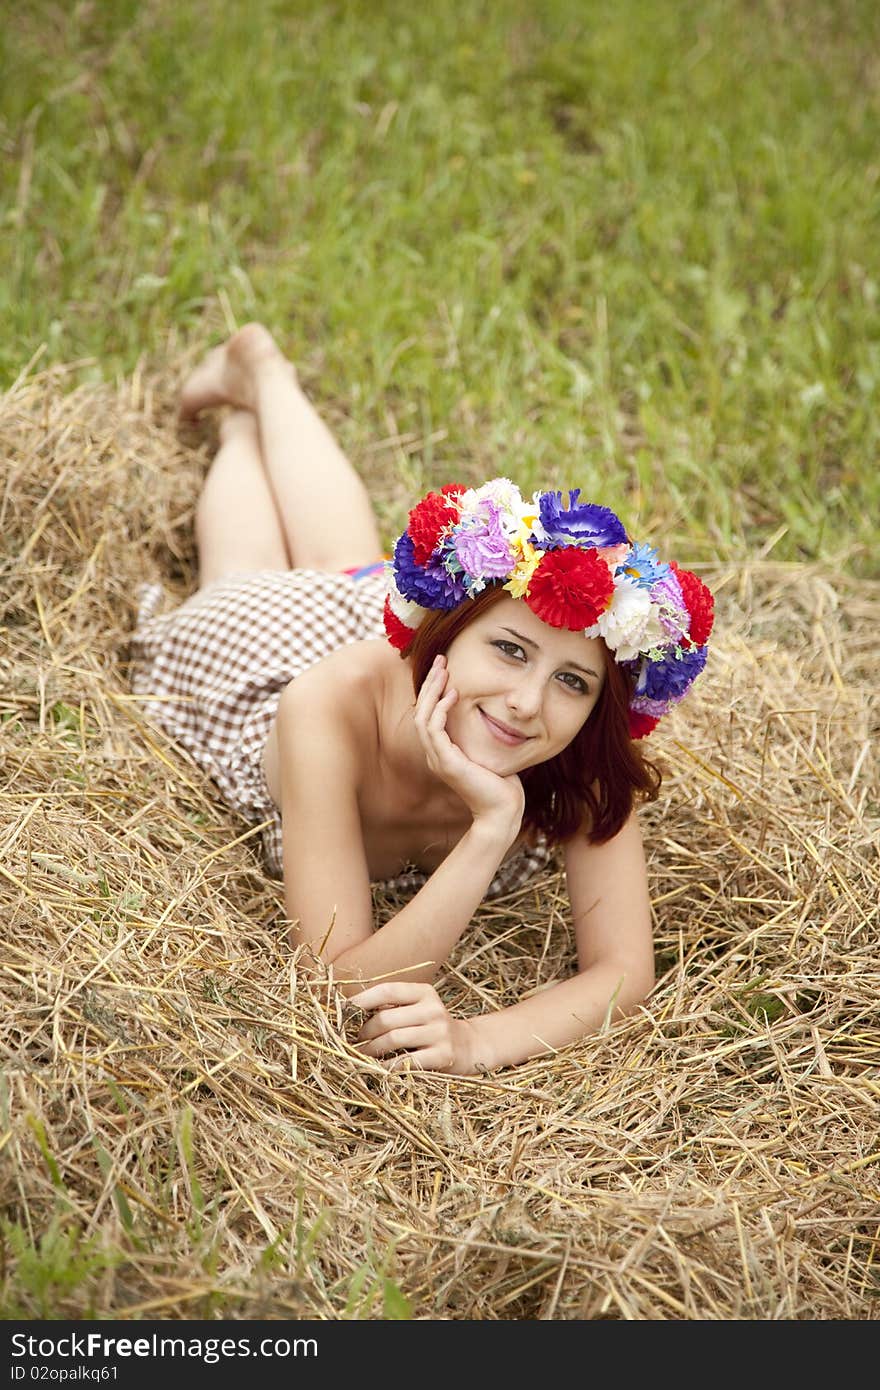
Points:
(525, 695)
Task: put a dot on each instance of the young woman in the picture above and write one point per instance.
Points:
(529, 644)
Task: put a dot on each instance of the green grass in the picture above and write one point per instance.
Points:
(628, 245)
(60, 1263)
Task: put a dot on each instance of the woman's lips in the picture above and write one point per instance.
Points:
(503, 732)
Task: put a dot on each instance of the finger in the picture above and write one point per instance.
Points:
(444, 702)
(404, 1016)
(430, 693)
(391, 992)
(426, 1059)
(433, 737)
(437, 715)
(427, 710)
(437, 674)
(398, 1040)
(435, 727)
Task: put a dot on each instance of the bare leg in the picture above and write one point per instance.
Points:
(323, 507)
(237, 524)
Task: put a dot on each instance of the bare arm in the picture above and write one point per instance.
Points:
(327, 892)
(611, 911)
(612, 919)
(327, 887)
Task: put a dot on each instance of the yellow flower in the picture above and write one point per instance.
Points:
(521, 575)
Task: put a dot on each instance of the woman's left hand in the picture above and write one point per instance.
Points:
(409, 1026)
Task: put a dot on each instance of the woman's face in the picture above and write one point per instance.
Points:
(524, 688)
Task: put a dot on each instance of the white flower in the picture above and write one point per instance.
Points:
(501, 491)
(631, 622)
(533, 511)
(515, 515)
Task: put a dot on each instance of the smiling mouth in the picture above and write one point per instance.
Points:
(503, 732)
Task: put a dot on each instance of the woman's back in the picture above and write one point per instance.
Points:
(211, 671)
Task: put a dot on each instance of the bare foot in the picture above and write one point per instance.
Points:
(228, 374)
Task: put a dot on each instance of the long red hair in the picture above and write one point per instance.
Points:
(596, 780)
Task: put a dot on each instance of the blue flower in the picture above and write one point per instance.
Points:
(643, 566)
(671, 678)
(430, 585)
(583, 525)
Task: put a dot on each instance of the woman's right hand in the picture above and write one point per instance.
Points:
(489, 796)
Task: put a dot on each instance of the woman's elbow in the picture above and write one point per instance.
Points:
(638, 983)
(633, 982)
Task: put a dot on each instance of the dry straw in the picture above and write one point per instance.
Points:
(185, 1130)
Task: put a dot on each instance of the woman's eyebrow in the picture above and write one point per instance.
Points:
(527, 642)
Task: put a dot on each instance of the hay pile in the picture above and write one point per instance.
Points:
(184, 1129)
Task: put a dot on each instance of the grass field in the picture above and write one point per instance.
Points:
(630, 245)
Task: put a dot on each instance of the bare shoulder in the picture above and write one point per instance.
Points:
(341, 680)
(330, 713)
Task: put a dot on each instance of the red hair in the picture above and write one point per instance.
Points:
(596, 780)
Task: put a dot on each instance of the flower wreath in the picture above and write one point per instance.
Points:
(573, 564)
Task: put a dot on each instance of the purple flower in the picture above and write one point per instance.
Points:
(674, 616)
(671, 678)
(430, 585)
(655, 709)
(481, 547)
(584, 525)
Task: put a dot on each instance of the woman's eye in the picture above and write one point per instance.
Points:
(574, 683)
(509, 648)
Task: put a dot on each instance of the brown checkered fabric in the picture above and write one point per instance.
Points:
(210, 673)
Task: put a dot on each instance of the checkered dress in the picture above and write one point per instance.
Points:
(210, 673)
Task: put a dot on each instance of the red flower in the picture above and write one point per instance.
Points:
(570, 588)
(699, 603)
(428, 519)
(640, 725)
(399, 635)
